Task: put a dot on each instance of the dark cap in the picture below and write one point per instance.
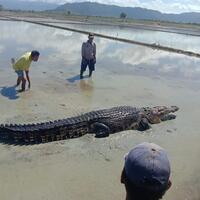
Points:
(147, 166)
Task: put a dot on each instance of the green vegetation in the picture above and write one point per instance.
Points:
(123, 15)
(67, 15)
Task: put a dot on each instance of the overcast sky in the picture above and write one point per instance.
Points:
(167, 6)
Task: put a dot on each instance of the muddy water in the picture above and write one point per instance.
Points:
(89, 168)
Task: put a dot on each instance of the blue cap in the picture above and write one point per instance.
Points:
(147, 166)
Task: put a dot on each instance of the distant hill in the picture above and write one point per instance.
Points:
(27, 5)
(97, 9)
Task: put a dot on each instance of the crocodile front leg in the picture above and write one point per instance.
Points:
(141, 124)
(100, 130)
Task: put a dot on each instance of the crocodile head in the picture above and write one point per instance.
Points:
(159, 113)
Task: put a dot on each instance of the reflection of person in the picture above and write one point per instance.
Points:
(146, 172)
(22, 65)
(86, 85)
(88, 55)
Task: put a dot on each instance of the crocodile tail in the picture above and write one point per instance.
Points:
(5, 134)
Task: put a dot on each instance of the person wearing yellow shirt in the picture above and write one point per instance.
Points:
(22, 66)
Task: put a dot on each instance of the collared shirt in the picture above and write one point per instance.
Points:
(23, 63)
(88, 50)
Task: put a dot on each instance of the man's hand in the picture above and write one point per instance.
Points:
(94, 60)
(28, 79)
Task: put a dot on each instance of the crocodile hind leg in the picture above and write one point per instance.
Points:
(100, 130)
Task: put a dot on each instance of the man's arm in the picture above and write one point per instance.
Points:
(28, 79)
(94, 52)
(82, 50)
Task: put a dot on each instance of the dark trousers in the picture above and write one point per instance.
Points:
(89, 63)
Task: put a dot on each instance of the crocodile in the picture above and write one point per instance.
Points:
(100, 122)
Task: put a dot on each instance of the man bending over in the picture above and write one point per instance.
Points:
(21, 67)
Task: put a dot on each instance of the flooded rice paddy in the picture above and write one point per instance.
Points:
(88, 168)
(180, 40)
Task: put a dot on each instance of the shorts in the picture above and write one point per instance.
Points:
(20, 73)
(89, 63)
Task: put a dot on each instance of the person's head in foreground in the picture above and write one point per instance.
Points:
(35, 55)
(90, 37)
(146, 172)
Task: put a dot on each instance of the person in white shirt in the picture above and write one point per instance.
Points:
(88, 55)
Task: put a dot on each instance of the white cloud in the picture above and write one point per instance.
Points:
(167, 6)
(55, 40)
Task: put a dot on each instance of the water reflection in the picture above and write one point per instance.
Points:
(147, 62)
(21, 37)
(186, 42)
(86, 85)
(87, 89)
(61, 48)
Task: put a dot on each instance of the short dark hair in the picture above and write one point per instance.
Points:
(91, 35)
(34, 53)
(146, 172)
(135, 192)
